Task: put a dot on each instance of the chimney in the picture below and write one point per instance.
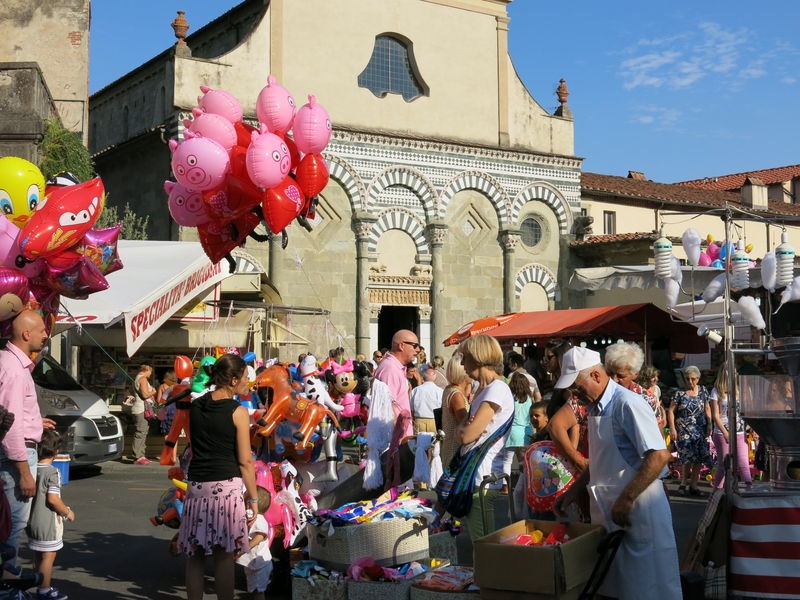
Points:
(754, 193)
(638, 175)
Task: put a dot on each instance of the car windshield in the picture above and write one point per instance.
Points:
(52, 376)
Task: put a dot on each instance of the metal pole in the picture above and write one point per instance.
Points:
(730, 366)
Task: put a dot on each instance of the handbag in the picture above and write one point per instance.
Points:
(456, 485)
(149, 409)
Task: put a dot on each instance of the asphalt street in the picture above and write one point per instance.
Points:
(112, 551)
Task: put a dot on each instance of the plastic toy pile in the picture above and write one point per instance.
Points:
(392, 504)
(451, 578)
(537, 537)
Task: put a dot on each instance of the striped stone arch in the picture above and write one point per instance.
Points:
(550, 196)
(481, 182)
(341, 171)
(535, 274)
(408, 178)
(398, 218)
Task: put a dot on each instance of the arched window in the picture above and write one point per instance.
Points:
(392, 69)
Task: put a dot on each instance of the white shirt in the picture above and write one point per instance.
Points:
(499, 394)
(424, 398)
(259, 555)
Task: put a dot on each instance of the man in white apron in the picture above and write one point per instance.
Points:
(627, 455)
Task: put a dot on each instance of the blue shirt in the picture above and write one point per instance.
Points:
(635, 427)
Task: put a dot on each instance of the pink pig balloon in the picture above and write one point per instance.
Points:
(199, 163)
(275, 107)
(268, 160)
(220, 102)
(312, 127)
(186, 207)
(212, 126)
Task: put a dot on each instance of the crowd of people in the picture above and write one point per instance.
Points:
(607, 416)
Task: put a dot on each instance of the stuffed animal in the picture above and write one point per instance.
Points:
(314, 386)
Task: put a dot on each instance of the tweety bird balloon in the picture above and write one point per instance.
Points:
(21, 188)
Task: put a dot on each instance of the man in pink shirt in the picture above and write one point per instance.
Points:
(392, 371)
(18, 449)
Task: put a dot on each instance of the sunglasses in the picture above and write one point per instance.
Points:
(414, 345)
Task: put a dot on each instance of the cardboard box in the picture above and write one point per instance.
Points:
(558, 569)
(389, 543)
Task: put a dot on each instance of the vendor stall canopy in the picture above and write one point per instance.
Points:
(631, 322)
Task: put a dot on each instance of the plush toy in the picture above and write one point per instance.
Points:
(314, 386)
(170, 508)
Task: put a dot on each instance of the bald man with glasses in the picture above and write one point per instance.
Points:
(392, 371)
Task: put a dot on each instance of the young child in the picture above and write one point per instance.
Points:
(48, 514)
(539, 421)
(257, 562)
(517, 438)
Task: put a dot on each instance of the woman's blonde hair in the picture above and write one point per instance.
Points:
(455, 373)
(485, 350)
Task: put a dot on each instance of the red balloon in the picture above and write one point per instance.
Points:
(239, 196)
(183, 367)
(243, 133)
(294, 153)
(239, 161)
(282, 204)
(218, 239)
(312, 174)
(14, 292)
(62, 219)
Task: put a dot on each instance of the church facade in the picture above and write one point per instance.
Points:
(453, 192)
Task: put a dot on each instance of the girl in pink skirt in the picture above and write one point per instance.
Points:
(216, 513)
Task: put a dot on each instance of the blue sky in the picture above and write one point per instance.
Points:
(677, 90)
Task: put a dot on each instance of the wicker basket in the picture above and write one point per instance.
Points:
(303, 589)
(389, 543)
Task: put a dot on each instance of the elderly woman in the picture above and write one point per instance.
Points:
(491, 411)
(689, 418)
(455, 406)
(623, 362)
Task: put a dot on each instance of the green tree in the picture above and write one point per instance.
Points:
(62, 150)
(133, 226)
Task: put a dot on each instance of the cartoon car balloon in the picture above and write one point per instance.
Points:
(62, 219)
(22, 188)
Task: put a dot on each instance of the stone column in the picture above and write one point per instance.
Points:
(509, 238)
(362, 225)
(437, 232)
(424, 313)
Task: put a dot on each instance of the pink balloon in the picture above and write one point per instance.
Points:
(713, 251)
(14, 292)
(10, 250)
(312, 127)
(704, 260)
(275, 107)
(220, 103)
(100, 247)
(199, 163)
(268, 160)
(186, 207)
(212, 126)
(77, 281)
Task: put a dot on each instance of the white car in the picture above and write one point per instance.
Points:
(91, 432)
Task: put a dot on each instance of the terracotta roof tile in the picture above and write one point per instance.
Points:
(736, 181)
(677, 196)
(616, 237)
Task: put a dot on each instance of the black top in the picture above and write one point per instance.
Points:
(213, 439)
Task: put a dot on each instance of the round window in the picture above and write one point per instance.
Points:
(531, 232)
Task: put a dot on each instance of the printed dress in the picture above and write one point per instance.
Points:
(692, 427)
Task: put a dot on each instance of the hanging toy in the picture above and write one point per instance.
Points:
(784, 258)
(740, 268)
(662, 248)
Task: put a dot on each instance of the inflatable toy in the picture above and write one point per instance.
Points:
(549, 473)
(22, 187)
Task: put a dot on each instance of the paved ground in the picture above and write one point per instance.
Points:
(112, 550)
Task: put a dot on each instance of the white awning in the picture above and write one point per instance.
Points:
(625, 277)
(157, 279)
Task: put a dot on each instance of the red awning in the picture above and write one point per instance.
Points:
(631, 322)
(484, 325)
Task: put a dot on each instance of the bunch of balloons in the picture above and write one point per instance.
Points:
(232, 176)
(48, 247)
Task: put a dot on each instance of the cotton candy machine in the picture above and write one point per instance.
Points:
(769, 404)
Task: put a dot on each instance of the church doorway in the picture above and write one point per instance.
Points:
(394, 318)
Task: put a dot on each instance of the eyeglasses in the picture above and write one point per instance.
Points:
(414, 345)
(377, 356)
